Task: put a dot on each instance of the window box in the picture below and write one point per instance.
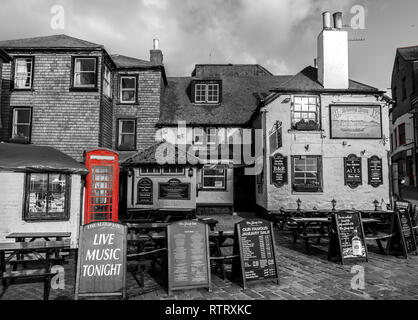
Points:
(306, 125)
(306, 188)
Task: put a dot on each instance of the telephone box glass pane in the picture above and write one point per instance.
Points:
(101, 198)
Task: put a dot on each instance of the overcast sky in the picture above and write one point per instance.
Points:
(278, 34)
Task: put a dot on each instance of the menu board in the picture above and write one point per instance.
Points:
(101, 264)
(174, 190)
(256, 246)
(375, 171)
(352, 171)
(403, 231)
(145, 190)
(348, 227)
(278, 170)
(188, 255)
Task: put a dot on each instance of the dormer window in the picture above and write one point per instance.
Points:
(206, 92)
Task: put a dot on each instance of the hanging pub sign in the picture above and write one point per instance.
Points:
(254, 243)
(145, 191)
(278, 170)
(352, 171)
(403, 238)
(101, 264)
(275, 137)
(347, 237)
(174, 190)
(375, 171)
(188, 256)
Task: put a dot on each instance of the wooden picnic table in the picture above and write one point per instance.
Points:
(22, 236)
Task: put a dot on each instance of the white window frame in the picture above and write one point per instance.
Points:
(198, 132)
(15, 123)
(223, 176)
(80, 72)
(156, 171)
(29, 73)
(177, 173)
(211, 132)
(134, 89)
(206, 88)
(107, 82)
(120, 133)
(301, 112)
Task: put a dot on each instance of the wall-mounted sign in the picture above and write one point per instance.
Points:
(145, 191)
(275, 137)
(101, 264)
(352, 171)
(174, 190)
(355, 122)
(404, 235)
(255, 245)
(188, 256)
(278, 170)
(347, 240)
(375, 171)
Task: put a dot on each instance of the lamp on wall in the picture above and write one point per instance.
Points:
(298, 202)
(376, 204)
(190, 172)
(333, 203)
(130, 173)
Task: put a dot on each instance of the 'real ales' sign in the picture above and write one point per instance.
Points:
(101, 264)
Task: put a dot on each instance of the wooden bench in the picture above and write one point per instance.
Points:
(9, 277)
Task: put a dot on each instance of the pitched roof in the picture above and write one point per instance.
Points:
(409, 53)
(232, 70)
(160, 151)
(33, 158)
(124, 62)
(307, 80)
(61, 41)
(240, 97)
(4, 56)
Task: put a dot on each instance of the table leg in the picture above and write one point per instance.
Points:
(2, 262)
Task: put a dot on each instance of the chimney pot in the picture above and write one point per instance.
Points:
(338, 20)
(155, 44)
(326, 18)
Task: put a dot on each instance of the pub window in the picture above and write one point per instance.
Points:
(214, 177)
(107, 82)
(150, 170)
(47, 196)
(211, 136)
(23, 75)
(128, 92)
(307, 173)
(401, 132)
(305, 113)
(21, 128)
(198, 136)
(127, 134)
(85, 73)
(206, 93)
(173, 170)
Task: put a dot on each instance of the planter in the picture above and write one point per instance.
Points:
(20, 140)
(306, 188)
(306, 126)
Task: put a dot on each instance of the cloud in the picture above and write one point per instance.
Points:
(279, 34)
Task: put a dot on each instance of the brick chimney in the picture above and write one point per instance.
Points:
(333, 53)
(156, 55)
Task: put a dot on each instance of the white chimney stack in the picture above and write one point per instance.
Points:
(333, 53)
(156, 43)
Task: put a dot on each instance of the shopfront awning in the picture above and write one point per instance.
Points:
(32, 158)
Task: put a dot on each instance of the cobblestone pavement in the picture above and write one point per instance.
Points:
(302, 277)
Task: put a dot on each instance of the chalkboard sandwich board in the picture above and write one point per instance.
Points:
(101, 263)
(254, 243)
(403, 233)
(188, 256)
(347, 237)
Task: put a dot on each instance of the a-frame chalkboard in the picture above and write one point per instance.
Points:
(347, 237)
(255, 244)
(188, 256)
(403, 238)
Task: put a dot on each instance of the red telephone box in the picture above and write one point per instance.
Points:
(102, 186)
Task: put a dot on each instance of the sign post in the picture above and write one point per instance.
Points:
(347, 237)
(255, 244)
(188, 256)
(101, 263)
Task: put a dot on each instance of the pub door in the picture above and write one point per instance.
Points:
(102, 186)
(244, 191)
